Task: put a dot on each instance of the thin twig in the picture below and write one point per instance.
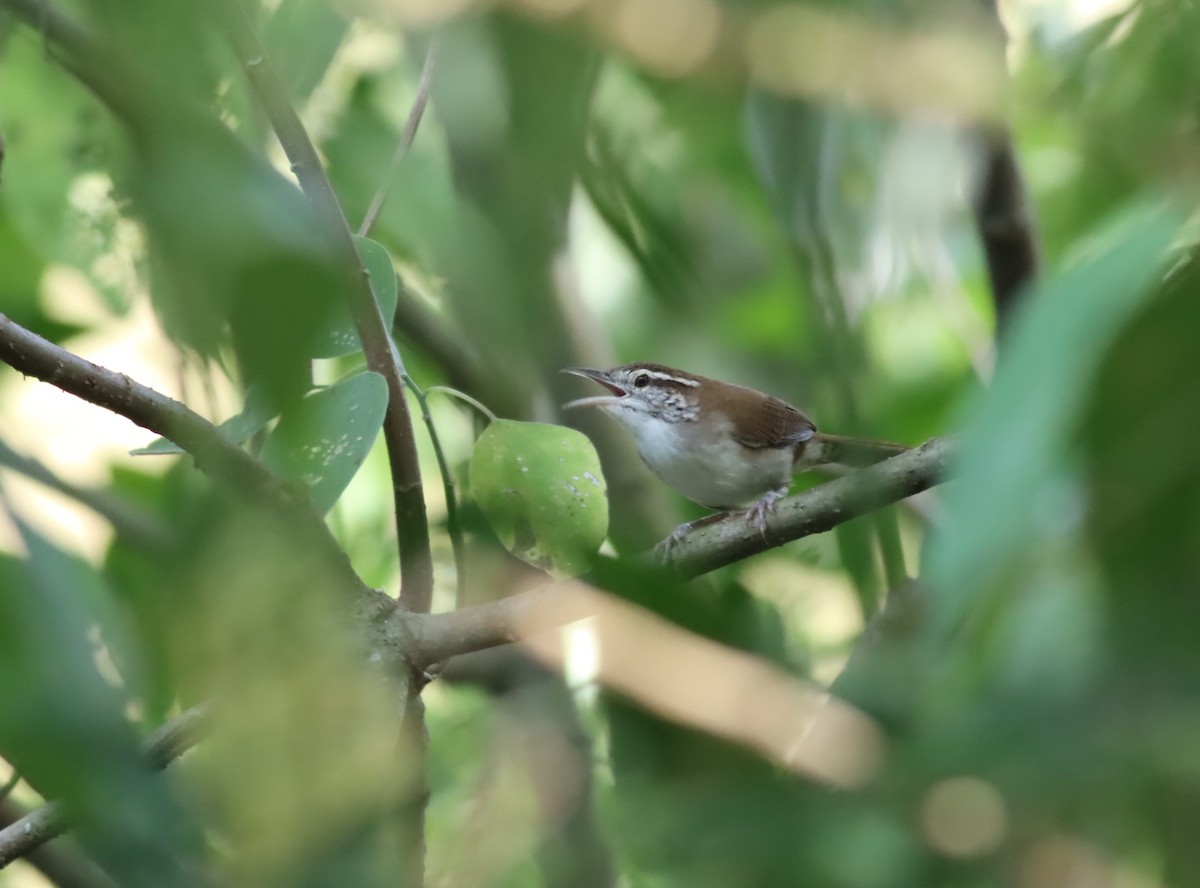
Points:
(453, 526)
(412, 522)
(127, 520)
(162, 747)
(63, 866)
(463, 396)
(406, 139)
(412, 848)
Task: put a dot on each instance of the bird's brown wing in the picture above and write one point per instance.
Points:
(773, 423)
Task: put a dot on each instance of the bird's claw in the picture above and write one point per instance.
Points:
(757, 513)
(668, 543)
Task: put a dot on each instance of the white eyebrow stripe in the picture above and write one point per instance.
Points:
(655, 374)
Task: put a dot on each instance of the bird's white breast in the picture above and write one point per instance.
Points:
(707, 465)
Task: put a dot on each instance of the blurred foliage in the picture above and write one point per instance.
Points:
(591, 184)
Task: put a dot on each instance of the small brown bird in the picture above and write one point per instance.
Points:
(721, 445)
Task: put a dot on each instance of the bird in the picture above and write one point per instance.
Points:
(724, 446)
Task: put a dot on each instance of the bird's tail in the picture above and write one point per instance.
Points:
(853, 452)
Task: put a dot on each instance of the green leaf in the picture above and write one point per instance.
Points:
(239, 428)
(302, 38)
(342, 337)
(323, 440)
(1016, 461)
(542, 491)
(65, 726)
(284, 306)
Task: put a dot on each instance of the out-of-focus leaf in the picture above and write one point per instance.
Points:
(683, 224)
(53, 131)
(1015, 456)
(283, 308)
(239, 428)
(341, 336)
(818, 165)
(1144, 519)
(22, 266)
(64, 726)
(306, 764)
(513, 98)
(302, 38)
(542, 490)
(324, 438)
(19, 284)
(145, 579)
(231, 243)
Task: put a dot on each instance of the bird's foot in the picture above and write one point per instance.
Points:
(757, 513)
(664, 546)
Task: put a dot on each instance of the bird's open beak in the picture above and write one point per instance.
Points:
(602, 377)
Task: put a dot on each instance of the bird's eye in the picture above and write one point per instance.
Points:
(641, 380)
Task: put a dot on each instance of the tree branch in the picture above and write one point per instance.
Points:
(434, 638)
(430, 639)
(242, 473)
(412, 522)
(383, 357)
(162, 747)
(1005, 223)
(814, 511)
(1003, 216)
(60, 861)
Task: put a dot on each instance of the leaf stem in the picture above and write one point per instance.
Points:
(453, 525)
(463, 396)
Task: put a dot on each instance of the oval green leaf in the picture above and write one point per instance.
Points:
(323, 440)
(342, 338)
(541, 488)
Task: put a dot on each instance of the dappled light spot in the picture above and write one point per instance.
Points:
(964, 817)
(1067, 862)
(674, 37)
(551, 8)
(803, 51)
